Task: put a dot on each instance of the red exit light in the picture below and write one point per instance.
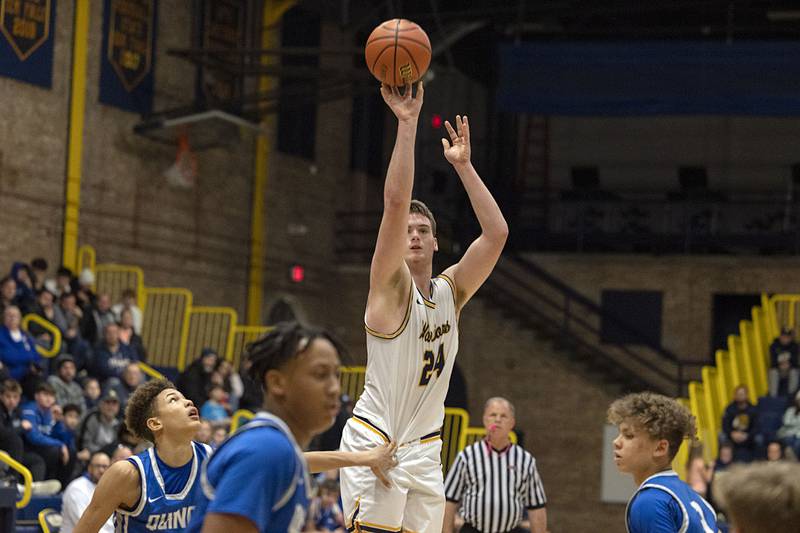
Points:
(297, 273)
(436, 121)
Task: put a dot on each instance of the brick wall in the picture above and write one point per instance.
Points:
(688, 284)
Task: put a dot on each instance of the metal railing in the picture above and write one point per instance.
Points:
(663, 222)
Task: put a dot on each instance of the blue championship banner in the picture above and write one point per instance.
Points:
(26, 44)
(127, 62)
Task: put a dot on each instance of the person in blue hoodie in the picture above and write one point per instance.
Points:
(17, 349)
(48, 436)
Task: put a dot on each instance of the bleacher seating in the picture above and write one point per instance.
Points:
(745, 362)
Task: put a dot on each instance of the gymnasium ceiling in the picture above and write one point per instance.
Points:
(464, 32)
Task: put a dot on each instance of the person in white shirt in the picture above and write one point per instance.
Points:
(79, 493)
(129, 302)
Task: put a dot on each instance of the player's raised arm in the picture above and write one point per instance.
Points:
(389, 276)
(482, 255)
(119, 486)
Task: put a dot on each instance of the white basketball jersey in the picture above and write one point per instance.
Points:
(408, 371)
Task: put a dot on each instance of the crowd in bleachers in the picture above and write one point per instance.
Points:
(768, 430)
(57, 414)
(57, 411)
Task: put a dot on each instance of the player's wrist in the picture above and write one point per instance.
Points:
(460, 166)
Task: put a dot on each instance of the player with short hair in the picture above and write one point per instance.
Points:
(257, 480)
(412, 332)
(761, 497)
(153, 490)
(651, 430)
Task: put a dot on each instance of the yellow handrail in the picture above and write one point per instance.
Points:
(238, 416)
(43, 522)
(55, 349)
(150, 371)
(26, 476)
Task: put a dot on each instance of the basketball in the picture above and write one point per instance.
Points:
(398, 52)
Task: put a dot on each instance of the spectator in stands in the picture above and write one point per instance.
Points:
(63, 282)
(204, 432)
(132, 377)
(698, 473)
(8, 292)
(77, 346)
(17, 348)
(789, 433)
(45, 307)
(737, 425)
(121, 452)
(79, 493)
(39, 273)
(70, 308)
(48, 436)
(111, 357)
(26, 293)
(763, 497)
(72, 421)
(218, 437)
(91, 393)
(102, 313)
(214, 409)
(723, 462)
(324, 514)
(775, 451)
(252, 395)
(12, 428)
(784, 380)
(232, 383)
(129, 303)
(785, 343)
(127, 439)
(63, 382)
(87, 301)
(128, 335)
(101, 426)
(194, 382)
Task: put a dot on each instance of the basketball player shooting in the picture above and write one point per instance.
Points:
(412, 333)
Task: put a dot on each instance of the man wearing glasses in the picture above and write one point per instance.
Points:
(79, 494)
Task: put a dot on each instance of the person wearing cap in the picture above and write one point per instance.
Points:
(784, 380)
(785, 343)
(101, 426)
(47, 435)
(63, 382)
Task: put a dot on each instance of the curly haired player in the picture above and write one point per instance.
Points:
(651, 430)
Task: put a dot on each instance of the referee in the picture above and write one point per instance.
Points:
(494, 481)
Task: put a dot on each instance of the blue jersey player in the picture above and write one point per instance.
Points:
(258, 480)
(651, 430)
(156, 490)
(152, 491)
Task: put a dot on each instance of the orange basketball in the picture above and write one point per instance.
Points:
(398, 52)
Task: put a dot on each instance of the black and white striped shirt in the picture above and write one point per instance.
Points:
(494, 487)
